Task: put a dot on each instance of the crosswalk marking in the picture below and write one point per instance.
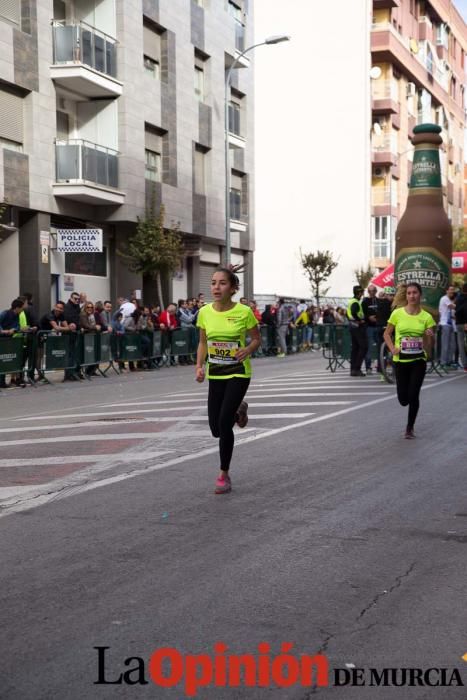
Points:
(251, 392)
(78, 459)
(255, 417)
(139, 411)
(78, 438)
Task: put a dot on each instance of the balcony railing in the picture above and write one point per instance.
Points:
(428, 62)
(81, 43)
(239, 36)
(388, 27)
(235, 205)
(387, 143)
(385, 90)
(234, 120)
(381, 196)
(82, 161)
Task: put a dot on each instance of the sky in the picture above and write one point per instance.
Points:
(283, 216)
(462, 7)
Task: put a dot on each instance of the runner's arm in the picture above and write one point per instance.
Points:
(388, 339)
(429, 341)
(201, 355)
(254, 344)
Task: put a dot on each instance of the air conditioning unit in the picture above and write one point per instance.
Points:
(457, 168)
(411, 89)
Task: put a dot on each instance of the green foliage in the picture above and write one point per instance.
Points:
(154, 251)
(364, 276)
(459, 239)
(459, 243)
(318, 267)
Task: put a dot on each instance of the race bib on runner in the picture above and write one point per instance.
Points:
(222, 353)
(411, 346)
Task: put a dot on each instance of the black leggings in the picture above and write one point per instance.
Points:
(224, 398)
(409, 379)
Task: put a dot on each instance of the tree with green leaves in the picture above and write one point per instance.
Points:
(363, 276)
(154, 251)
(459, 243)
(318, 268)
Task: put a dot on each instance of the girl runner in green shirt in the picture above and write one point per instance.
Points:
(223, 326)
(413, 329)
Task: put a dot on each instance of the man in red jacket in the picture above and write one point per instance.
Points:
(168, 323)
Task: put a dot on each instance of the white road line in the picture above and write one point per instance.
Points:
(95, 424)
(260, 387)
(279, 404)
(165, 402)
(79, 438)
(257, 395)
(253, 416)
(110, 413)
(107, 414)
(141, 420)
(316, 393)
(64, 488)
(78, 459)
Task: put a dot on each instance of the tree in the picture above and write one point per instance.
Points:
(318, 267)
(459, 243)
(363, 276)
(154, 250)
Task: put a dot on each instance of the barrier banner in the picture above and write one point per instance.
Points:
(105, 349)
(130, 346)
(265, 337)
(156, 344)
(89, 349)
(11, 355)
(57, 353)
(180, 344)
(292, 339)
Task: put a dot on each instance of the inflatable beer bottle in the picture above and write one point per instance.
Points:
(424, 234)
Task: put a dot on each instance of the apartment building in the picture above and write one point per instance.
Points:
(108, 107)
(418, 50)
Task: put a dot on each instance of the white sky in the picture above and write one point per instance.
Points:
(281, 99)
(284, 113)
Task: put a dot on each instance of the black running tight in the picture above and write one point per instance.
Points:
(224, 398)
(409, 379)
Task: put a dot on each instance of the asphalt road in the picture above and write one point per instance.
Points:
(339, 536)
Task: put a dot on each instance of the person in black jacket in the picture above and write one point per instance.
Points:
(461, 325)
(72, 313)
(370, 309)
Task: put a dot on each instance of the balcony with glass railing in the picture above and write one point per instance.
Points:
(384, 149)
(380, 196)
(382, 35)
(385, 97)
(84, 60)
(87, 172)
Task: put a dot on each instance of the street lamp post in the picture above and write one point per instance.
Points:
(270, 40)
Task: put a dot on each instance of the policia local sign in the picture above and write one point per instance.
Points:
(79, 240)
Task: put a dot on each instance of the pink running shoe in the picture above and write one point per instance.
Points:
(223, 484)
(241, 417)
(409, 434)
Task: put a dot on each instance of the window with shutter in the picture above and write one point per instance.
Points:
(153, 147)
(11, 117)
(11, 11)
(151, 43)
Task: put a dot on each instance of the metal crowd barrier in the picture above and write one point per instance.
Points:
(24, 354)
(49, 351)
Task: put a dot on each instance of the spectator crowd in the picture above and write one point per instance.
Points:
(79, 315)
